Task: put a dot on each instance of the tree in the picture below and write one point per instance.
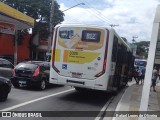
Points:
(40, 11)
(124, 39)
(142, 48)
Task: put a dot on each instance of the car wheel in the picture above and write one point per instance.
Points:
(3, 96)
(16, 85)
(43, 85)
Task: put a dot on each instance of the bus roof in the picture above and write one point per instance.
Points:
(84, 25)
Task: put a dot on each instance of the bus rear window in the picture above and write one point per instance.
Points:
(66, 34)
(91, 36)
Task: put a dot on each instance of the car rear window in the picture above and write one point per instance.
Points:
(27, 66)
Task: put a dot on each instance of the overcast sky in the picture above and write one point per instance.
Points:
(134, 17)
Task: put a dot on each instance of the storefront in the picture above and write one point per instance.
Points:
(12, 20)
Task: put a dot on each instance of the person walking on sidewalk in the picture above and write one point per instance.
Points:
(139, 75)
(159, 73)
(143, 70)
(135, 75)
(130, 74)
(154, 78)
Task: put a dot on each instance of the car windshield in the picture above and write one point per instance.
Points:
(26, 66)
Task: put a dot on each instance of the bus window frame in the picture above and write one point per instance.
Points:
(115, 49)
(91, 40)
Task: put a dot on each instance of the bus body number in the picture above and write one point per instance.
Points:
(73, 53)
(91, 36)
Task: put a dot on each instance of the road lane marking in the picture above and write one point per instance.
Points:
(35, 100)
(99, 116)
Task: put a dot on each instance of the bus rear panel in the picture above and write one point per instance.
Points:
(79, 57)
(89, 57)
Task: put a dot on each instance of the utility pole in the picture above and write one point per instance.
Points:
(15, 47)
(113, 25)
(133, 40)
(50, 26)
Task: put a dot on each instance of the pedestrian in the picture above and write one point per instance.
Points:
(135, 75)
(159, 73)
(154, 78)
(139, 75)
(143, 70)
(130, 74)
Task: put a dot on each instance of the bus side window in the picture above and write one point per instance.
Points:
(114, 49)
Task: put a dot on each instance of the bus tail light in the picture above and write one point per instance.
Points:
(53, 54)
(104, 69)
(105, 58)
(55, 68)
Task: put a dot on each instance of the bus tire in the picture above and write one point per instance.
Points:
(79, 89)
(114, 93)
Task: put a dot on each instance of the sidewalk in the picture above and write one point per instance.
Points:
(131, 99)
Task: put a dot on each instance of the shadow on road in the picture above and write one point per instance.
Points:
(96, 98)
(35, 88)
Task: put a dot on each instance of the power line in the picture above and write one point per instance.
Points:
(100, 15)
(95, 10)
(94, 14)
(73, 19)
(113, 25)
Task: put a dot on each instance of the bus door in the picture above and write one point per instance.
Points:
(112, 79)
(118, 70)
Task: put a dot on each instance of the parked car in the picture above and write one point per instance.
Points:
(31, 73)
(6, 68)
(5, 88)
(10, 58)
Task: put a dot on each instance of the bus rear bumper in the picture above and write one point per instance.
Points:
(83, 83)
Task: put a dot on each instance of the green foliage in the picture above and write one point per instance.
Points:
(124, 39)
(142, 48)
(39, 10)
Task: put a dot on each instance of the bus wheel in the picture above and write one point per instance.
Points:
(79, 89)
(115, 92)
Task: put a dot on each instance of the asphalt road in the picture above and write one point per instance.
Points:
(60, 99)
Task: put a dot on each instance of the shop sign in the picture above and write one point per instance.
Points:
(7, 28)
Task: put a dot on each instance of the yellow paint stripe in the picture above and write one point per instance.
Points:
(65, 56)
(57, 55)
(79, 57)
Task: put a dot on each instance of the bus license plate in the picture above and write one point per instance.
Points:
(76, 75)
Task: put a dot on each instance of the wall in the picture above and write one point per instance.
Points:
(7, 47)
(6, 44)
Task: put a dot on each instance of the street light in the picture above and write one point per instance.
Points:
(51, 26)
(74, 6)
(113, 25)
